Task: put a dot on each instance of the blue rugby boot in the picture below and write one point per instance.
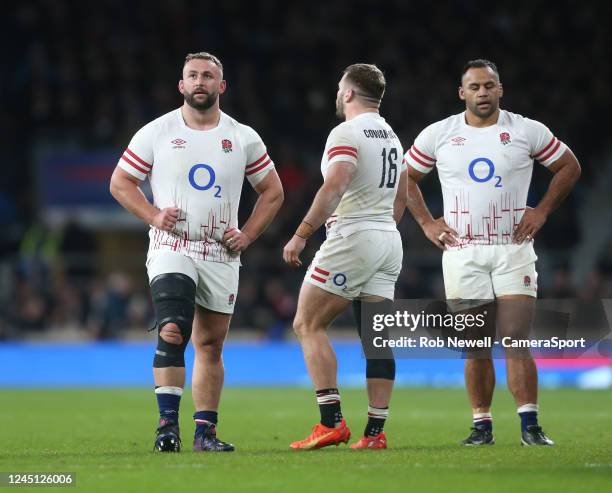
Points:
(207, 441)
(168, 437)
(534, 435)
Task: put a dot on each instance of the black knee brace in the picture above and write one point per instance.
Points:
(174, 302)
(381, 368)
(375, 368)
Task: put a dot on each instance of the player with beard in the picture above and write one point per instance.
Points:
(196, 158)
(362, 198)
(484, 158)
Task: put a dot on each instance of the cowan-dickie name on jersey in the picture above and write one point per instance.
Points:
(485, 173)
(370, 144)
(201, 172)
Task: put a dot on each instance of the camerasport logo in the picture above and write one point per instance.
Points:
(226, 145)
(178, 143)
(504, 138)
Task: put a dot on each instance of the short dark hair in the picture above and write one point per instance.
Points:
(368, 78)
(203, 55)
(479, 63)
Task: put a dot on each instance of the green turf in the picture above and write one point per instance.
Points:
(106, 437)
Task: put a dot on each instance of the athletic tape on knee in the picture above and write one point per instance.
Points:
(174, 302)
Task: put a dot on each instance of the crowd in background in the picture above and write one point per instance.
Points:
(88, 75)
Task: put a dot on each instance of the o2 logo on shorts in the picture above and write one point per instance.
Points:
(340, 280)
(198, 181)
(483, 173)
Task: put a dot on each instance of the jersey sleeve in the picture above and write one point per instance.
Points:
(422, 155)
(259, 164)
(544, 146)
(137, 159)
(342, 146)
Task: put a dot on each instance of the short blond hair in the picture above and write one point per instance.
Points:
(203, 55)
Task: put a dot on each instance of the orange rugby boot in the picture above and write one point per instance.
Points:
(376, 442)
(322, 436)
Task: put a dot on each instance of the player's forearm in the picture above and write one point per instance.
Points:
(560, 186)
(132, 199)
(416, 204)
(324, 204)
(266, 207)
(401, 198)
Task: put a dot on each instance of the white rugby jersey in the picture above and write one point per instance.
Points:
(484, 172)
(370, 144)
(201, 172)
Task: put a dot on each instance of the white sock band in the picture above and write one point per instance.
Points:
(482, 416)
(328, 399)
(169, 390)
(528, 408)
(378, 413)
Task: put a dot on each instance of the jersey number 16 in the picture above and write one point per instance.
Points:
(389, 156)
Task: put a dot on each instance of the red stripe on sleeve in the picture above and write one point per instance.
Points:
(418, 160)
(545, 149)
(341, 153)
(321, 271)
(554, 149)
(424, 156)
(342, 148)
(259, 168)
(144, 163)
(255, 163)
(134, 165)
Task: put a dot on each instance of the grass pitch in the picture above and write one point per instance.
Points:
(106, 438)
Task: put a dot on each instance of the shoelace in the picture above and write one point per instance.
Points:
(537, 430)
(213, 439)
(476, 431)
(209, 429)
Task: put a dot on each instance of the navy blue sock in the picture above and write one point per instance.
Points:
(529, 415)
(528, 419)
(168, 401)
(204, 420)
(483, 421)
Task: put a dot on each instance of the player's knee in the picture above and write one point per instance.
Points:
(174, 302)
(300, 327)
(171, 333)
(209, 348)
(518, 353)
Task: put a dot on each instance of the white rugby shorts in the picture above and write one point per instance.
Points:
(364, 262)
(483, 272)
(216, 282)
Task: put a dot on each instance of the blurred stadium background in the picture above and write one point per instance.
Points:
(80, 78)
